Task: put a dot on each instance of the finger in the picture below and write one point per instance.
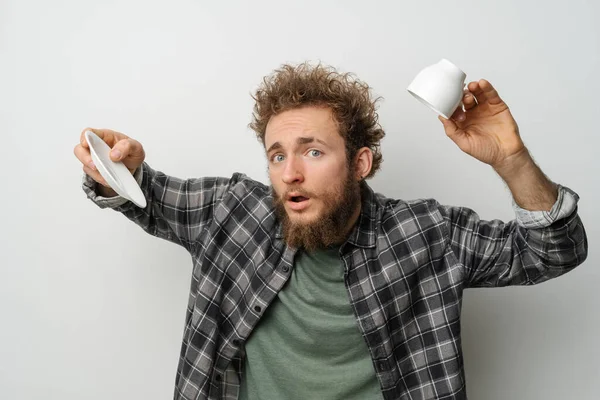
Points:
(126, 148)
(476, 91)
(469, 101)
(83, 155)
(110, 137)
(459, 115)
(95, 175)
(484, 92)
(489, 92)
(100, 132)
(82, 139)
(449, 126)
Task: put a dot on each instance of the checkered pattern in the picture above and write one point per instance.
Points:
(406, 266)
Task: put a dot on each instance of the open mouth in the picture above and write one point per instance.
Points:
(298, 199)
(297, 202)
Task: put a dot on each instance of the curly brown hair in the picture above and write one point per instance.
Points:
(291, 87)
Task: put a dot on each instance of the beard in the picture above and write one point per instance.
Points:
(328, 228)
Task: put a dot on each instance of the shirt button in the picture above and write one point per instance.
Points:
(381, 366)
(257, 308)
(236, 342)
(218, 377)
(285, 269)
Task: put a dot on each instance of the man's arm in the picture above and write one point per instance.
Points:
(530, 188)
(534, 247)
(177, 210)
(546, 239)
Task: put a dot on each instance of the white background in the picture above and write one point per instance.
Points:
(93, 308)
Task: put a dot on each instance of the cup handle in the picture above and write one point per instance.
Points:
(465, 89)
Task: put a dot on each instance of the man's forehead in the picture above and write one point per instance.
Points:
(301, 126)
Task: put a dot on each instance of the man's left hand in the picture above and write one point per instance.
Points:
(487, 129)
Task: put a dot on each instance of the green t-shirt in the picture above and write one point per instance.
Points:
(308, 344)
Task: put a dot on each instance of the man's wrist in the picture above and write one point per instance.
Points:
(531, 189)
(106, 191)
(510, 167)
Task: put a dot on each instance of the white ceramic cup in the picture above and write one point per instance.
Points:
(439, 86)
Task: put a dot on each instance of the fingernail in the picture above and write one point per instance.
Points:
(92, 165)
(467, 96)
(116, 154)
(461, 117)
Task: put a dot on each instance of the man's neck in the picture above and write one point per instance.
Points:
(353, 221)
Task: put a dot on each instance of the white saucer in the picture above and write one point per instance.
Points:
(116, 174)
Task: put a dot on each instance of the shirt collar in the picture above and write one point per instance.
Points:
(364, 232)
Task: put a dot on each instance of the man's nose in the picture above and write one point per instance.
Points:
(292, 172)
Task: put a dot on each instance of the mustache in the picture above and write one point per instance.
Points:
(300, 191)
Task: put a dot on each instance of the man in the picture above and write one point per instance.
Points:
(318, 288)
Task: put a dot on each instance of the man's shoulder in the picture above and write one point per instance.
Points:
(242, 185)
(404, 219)
(420, 212)
(418, 206)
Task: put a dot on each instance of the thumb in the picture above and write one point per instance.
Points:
(129, 151)
(450, 127)
(116, 154)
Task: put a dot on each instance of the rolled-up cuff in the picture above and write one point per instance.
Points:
(90, 187)
(565, 205)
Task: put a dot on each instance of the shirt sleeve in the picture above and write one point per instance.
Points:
(90, 187)
(534, 247)
(565, 205)
(177, 209)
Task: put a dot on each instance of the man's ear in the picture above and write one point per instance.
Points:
(363, 162)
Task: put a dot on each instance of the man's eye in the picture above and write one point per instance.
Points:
(277, 158)
(315, 153)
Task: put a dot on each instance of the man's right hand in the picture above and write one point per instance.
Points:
(124, 149)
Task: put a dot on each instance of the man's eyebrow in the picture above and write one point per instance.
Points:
(300, 140)
(274, 146)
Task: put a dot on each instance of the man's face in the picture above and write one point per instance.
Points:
(316, 193)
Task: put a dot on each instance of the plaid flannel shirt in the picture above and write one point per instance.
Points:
(406, 266)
